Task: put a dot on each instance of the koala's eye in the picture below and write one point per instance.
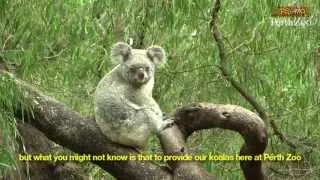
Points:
(147, 68)
(132, 69)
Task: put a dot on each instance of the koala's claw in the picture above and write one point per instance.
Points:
(166, 124)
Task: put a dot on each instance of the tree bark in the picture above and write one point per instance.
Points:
(34, 142)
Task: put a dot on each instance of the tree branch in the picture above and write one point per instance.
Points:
(204, 116)
(227, 75)
(34, 142)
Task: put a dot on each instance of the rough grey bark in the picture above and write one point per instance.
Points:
(250, 126)
(34, 142)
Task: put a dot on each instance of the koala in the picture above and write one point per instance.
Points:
(125, 110)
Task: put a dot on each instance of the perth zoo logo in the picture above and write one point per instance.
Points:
(294, 16)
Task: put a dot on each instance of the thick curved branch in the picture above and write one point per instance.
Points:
(199, 116)
(227, 75)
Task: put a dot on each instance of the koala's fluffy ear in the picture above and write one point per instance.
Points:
(120, 52)
(156, 54)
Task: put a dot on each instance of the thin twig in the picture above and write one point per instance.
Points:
(227, 75)
(5, 42)
(54, 56)
(12, 50)
(246, 42)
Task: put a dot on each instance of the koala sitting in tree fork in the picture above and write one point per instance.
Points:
(125, 110)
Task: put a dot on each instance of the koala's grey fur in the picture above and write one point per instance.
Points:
(125, 110)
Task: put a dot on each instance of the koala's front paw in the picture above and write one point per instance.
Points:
(166, 116)
(167, 122)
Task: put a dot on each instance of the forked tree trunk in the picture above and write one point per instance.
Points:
(81, 135)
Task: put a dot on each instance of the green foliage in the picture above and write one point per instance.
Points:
(62, 48)
(10, 99)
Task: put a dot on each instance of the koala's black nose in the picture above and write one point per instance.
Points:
(141, 75)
